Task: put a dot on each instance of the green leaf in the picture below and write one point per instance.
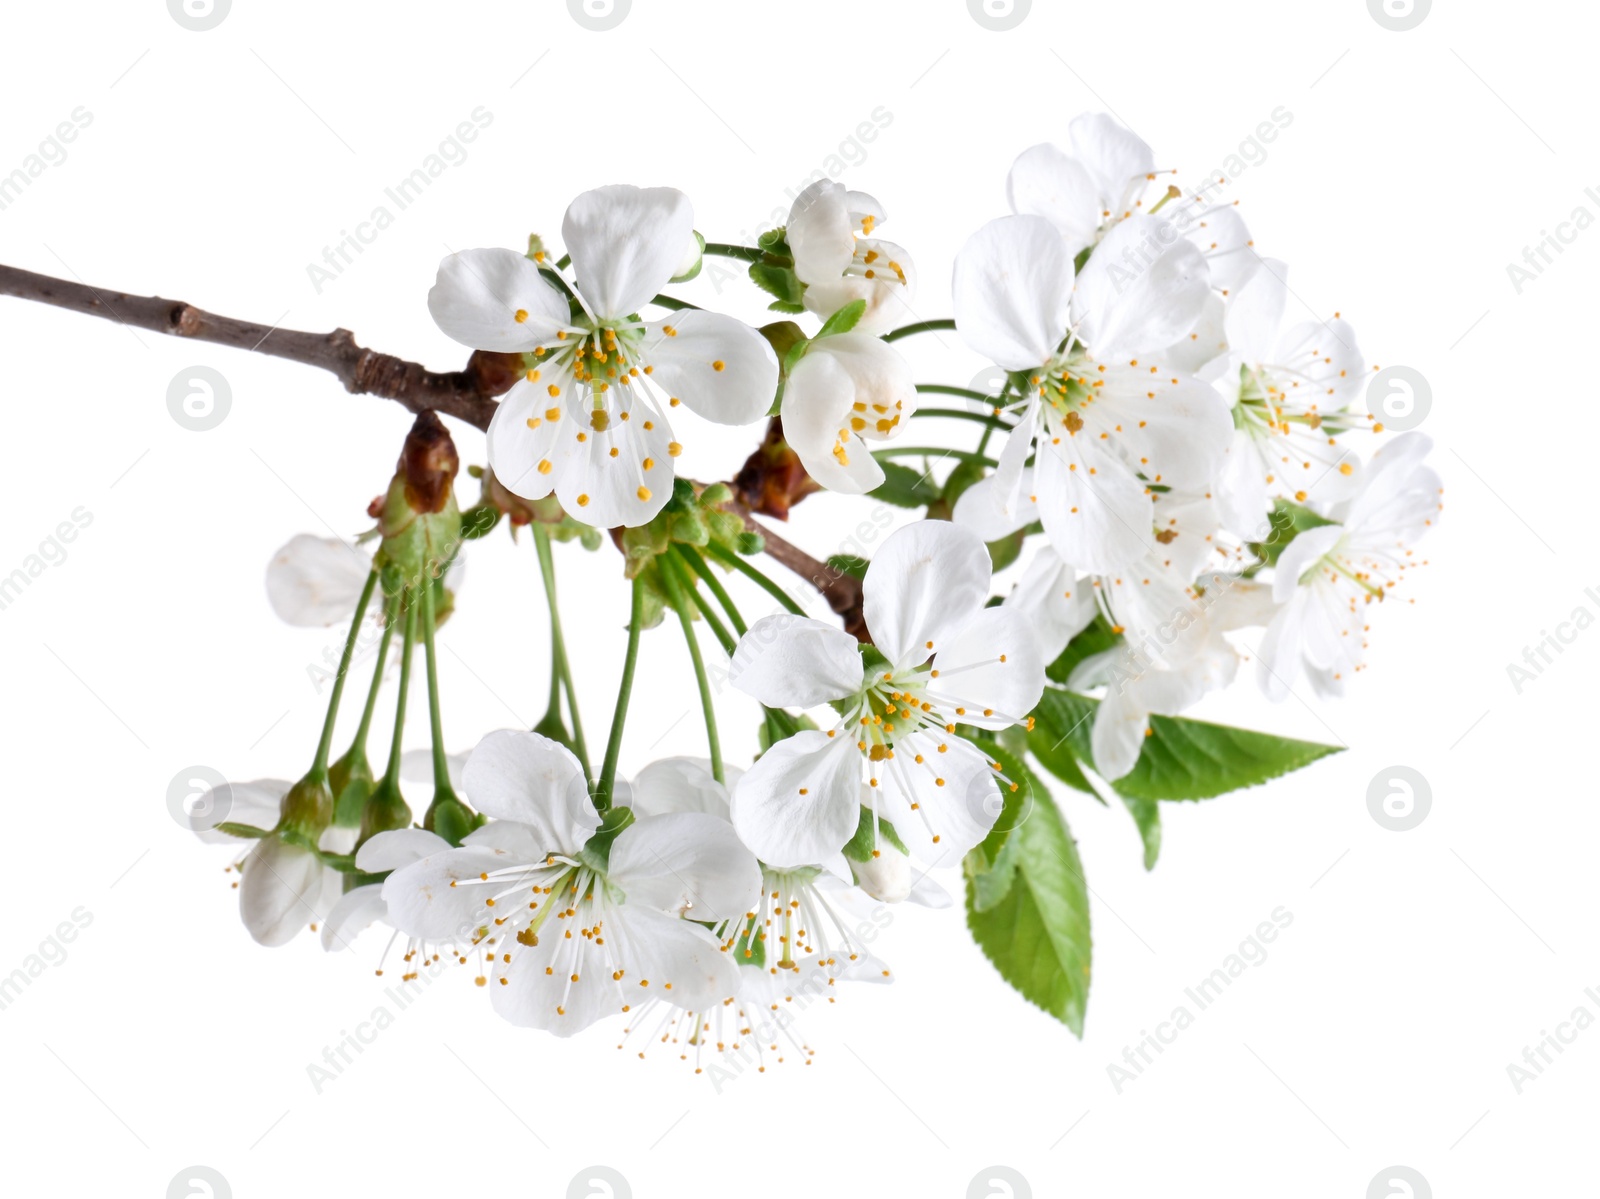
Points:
(1147, 815)
(1194, 759)
(862, 846)
(1037, 932)
(1095, 639)
(905, 487)
(844, 320)
(780, 282)
(989, 866)
(1288, 521)
(849, 564)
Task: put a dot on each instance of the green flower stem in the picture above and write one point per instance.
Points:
(561, 664)
(441, 766)
(933, 451)
(977, 418)
(965, 393)
(714, 585)
(680, 554)
(723, 250)
(391, 773)
(680, 604)
(358, 747)
(319, 767)
(738, 563)
(608, 770)
(919, 327)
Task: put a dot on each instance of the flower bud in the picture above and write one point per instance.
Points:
(418, 517)
(307, 809)
(886, 876)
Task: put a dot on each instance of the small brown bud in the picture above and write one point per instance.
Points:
(428, 464)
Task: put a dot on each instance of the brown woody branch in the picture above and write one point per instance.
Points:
(467, 395)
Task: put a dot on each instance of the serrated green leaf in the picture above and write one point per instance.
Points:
(1037, 933)
(1194, 759)
(778, 281)
(844, 320)
(905, 487)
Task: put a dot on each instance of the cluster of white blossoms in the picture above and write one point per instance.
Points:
(1182, 479)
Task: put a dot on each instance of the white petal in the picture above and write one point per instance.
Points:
(800, 802)
(954, 793)
(526, 442)
(423, 903)
(1012, 291)
(1201, 350)
(719, 367)
(355, 911)
(314, 582)
(1176, 428)
(396, 848)
(525, 777)
(792, 661)
(1279, 656)
(888, 294)
(820, 232)
(1116, 158)
(257, 803)
(992, 665)
(479, 293)
(926, 581)
(686, 864)
(817, 402)
(1044, 181)
(1255, 313)
(625, 243)
(1220, 234)
(926, 893)
(416, 766)
(281, 891)
(608, 489)
(982, 509)
(1099, 521)
(1056, 607)
(1118, 735)
(1142, 289)
(1301, 554)
(680, 785)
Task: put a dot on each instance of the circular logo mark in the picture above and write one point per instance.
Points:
(1397, 16)
(1399, 1182)
(599, 15)
(999, 15)
(199, 799)
(197, 16)
(199, 1182)
(1399, 397)
(999, 1182)
(1399, 798)
(199, 398)
(990, 380)
(599, 1182)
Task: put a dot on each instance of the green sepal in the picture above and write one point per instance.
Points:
(1288, 521)
(863, 847)
(846, 319)
(596, 851)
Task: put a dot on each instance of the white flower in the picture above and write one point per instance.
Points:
(589, 422)
(363, 906)
(950, 661)
(283, 887)
(849, 390)
(835, 255)
(1290, 385)
(316, 581)
(1105, 418)
(803, 935)
(1105, 176)
(1328, 577)
(577, 938)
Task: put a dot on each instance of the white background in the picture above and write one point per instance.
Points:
(219, 164)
